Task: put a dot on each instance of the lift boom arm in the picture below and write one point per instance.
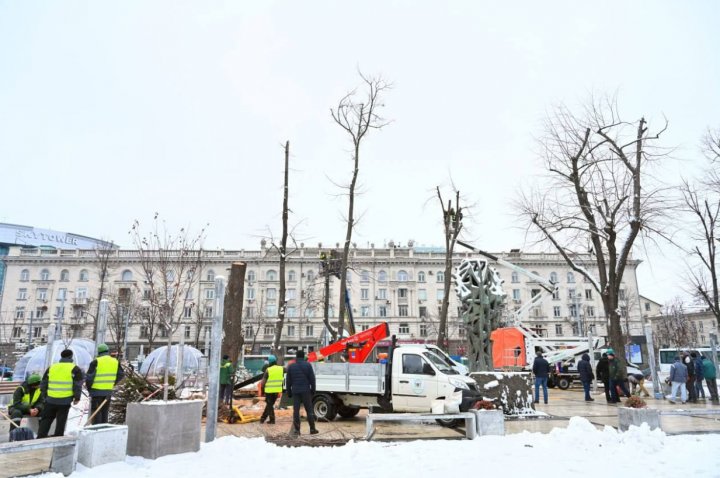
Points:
(359, 346)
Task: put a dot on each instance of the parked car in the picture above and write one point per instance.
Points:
(6, 372)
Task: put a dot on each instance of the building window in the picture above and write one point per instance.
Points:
(248, 331)
(208, 311)
(290, 312)
(422, 294)
(81, 293)
(514, 277)
(440, 277)
(251, 277)
(364, 293)
(592, 329)
(588, 294)
(364, 276)
(24, 275)
(556, 294)
(42, 294)
(647, 306)
(623, 311)
(570, 278)
(365, 311)
(170, 276)
(162, 331)
(573, 310)
(290, 294)
(590, 311)
(402, 293)
(423, 330)
(126, 275)
(461, 330)
(187, 331)
(84, 276)
(422, 312)
(364, 327)
(44, 274)
(272, 293)
(64, 275)
(146, 294)
(268, 330)
(309, 331)
(251, 294)
(402, 310)
(249, 312)
(402, 276)
(440, 294)
(37, 332)
(20, 313)
(62, 294)
(558, 329)
(404, 328)
(292, 276)
(516, 295)
(310, 276)
(382, 311)
(382, 294)
(189, 294)
(291, 331)
(700, 327)
(382, 276)
(421, 277)
(210, 276)
(348, 276)
(17, 332)
(556, 311)
(144, 332)
(571, 293)
(209, 293)
(187, 313)
(270, 311)
(553, 277)
(271, 275)
(22, 294)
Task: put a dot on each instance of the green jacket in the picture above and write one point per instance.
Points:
(708, 369)
(17, 400)
(617, 369)
(226, 372)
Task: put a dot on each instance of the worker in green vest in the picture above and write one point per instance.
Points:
(103, 374)
(272, 383)
(61, 386)
(227, 374)
(27, 400)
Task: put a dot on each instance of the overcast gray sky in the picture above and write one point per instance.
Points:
(110, 111)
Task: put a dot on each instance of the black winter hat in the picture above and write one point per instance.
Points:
(300, 354)
(67, 353)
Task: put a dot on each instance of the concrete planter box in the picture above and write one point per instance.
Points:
(490, 422)
(638, 416)
(101, 444)
(160, 428)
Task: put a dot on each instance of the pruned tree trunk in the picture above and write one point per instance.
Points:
(452, 224)
(276, 347)
(232, 315)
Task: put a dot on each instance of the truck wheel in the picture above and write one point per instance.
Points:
(348, 412)
(450, 422)
(564, 383)
(324, 408)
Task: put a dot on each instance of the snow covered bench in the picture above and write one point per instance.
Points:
(469, 417)
(64, 452)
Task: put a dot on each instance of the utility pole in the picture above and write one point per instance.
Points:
(214, 372)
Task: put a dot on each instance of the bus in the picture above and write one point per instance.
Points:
(667, 357)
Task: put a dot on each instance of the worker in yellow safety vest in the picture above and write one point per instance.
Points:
(27, 400)
(61, 386)
(272, 383)
(103, 374)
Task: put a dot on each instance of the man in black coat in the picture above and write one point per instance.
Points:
(603, 374)
(541, 370)
(586, 376)
(300, 381)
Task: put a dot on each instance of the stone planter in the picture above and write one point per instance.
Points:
(490, 422)
(510, 392)
(638, 416)
(101, 444)
(160, 428)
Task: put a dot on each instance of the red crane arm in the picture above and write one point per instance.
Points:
(359, 346)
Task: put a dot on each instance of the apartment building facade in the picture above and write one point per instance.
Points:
(403, 286)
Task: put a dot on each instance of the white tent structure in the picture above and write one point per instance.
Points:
(34, 360)
(154, 363)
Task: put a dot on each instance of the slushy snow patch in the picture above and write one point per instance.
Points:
(492, 384)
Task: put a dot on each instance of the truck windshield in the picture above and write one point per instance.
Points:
(440, 364)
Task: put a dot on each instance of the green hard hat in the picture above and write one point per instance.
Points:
(610, 352)
(33, 379)
(102, 348)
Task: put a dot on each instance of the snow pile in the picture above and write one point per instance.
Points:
(578, 450)
(492, 384)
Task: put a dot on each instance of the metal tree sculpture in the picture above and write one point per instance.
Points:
(481, 295)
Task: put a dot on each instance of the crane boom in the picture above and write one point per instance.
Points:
(358, 346)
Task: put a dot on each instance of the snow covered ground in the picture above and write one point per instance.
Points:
(580, 450)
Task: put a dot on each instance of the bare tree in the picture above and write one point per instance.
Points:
(357, 118)
(599, 196)
(169, 264)
(123, 307)
(282, 252)
(452, 224)
(103, 255)
(673, 328)
(702, 204)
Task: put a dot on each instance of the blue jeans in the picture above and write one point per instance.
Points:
(541, 381)
(613, 390)
(586, 388)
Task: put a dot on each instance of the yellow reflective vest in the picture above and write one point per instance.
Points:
(274, 380)
(60, 380)
(105, 373)
(31, 400)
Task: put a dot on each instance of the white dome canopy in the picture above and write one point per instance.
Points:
(34, 360)
(154, 363)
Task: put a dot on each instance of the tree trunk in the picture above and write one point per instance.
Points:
(283, 258)
(346, 245)
(232, 315)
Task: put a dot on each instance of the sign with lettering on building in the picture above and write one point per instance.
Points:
(33, 237)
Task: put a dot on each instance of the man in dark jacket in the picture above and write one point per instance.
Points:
(541, 370)
(300, 381)
(689, 362)
(586, 376)
(61, 385)
(617, 376)
(27, 400)
(699, 389)
(710, 378)
(603, 375)
(103, 374)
